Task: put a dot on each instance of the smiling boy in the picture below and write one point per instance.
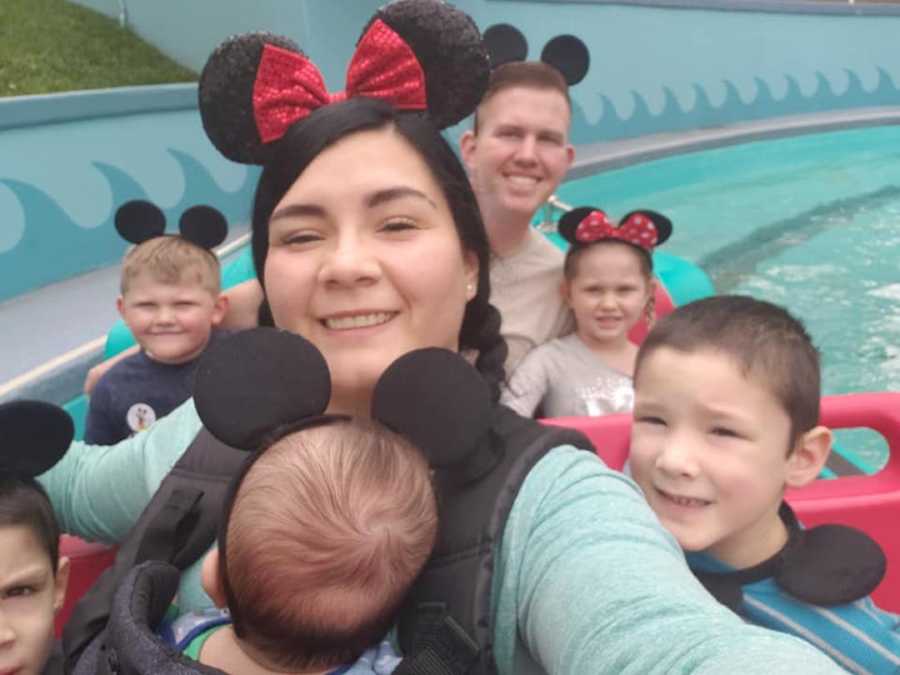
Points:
(727, 393)
(171, 301)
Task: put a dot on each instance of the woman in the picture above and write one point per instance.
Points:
(368, 241)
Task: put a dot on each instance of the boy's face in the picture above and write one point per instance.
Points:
(521, 151)
(171, 322)
(30, 596)
(709, 449)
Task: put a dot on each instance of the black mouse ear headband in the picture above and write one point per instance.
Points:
(419, 55)
(566, 53)
(138, 221)
(33, 437)
(264, 379)
(644, 228)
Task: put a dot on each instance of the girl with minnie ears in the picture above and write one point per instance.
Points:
(608, 284)
(368, 242)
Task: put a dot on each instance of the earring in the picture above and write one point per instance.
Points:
(470, 290)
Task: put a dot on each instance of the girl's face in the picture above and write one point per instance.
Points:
(608, 294)
(365, 262)
(30, 596)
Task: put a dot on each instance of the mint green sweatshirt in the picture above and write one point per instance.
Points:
(586, 581)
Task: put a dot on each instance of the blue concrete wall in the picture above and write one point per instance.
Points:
(656, 66)
(68, 161)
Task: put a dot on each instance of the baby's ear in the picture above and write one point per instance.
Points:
(211, 578)
(61, 583)
(220, 309)
(809, 456)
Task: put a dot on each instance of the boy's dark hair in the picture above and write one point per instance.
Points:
(23, 503)
(762, 338)
(525, 74)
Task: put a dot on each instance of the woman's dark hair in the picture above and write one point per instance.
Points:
(23, 503)
(304, 141)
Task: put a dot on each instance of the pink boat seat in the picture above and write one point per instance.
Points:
(87, 561)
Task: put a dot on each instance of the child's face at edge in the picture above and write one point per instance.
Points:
(30, 596)
(709, 448)
(171, 322)
(608, 294)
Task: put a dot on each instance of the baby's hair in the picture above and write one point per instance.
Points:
(168, 259)
(762, 338)
(329, 529)
(577, 250)
(23, 503)
(524, 74)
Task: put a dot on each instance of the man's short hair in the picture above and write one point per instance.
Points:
(763, 339)
(525, 74)
(171, 259)
(328, 531)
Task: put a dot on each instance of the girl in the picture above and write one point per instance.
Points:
(608, 284)
(368, 241)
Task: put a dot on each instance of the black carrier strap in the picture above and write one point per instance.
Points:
(178, 526)
(446, 625)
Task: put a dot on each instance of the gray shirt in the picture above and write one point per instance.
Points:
(565, 378)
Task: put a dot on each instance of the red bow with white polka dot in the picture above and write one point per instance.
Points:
(289, 87)
(637, 229)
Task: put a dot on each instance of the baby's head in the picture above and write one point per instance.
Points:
(726, 411)
(170, 294)
(333, 517)
(33, 576)
(608, 270)
(328, 530)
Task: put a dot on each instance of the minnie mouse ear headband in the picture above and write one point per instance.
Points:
(263, 380)
(566, 53)
(643, 228)
(419, 55)
(33, 437)
(138, 221)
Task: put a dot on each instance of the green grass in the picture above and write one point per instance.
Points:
(52, 45)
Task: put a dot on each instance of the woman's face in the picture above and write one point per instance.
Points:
(364, 261)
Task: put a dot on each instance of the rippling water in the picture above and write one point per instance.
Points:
(812, 223)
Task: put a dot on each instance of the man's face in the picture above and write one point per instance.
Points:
(520, 153)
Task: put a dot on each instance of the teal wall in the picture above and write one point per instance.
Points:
(68, 161)
(656, 67)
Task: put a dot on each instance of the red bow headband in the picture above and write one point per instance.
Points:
(288, 86)
(636, 229)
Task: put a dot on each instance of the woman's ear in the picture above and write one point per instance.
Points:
(60, 583)
(808, 457)
(470, 262)
(211, 578)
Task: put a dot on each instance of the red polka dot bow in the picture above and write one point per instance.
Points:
(289, 87)
(637, 229)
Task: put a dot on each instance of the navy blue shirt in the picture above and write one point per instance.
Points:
(135, 393)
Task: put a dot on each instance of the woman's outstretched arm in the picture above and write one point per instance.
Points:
(98, 492)
(589, 582)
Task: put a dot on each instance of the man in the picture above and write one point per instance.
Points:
(517, 152)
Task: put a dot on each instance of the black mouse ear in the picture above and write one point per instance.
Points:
(33, 436)
(255, 381)
(228, 86)
(505, 43)
(568, 222)
(662, 224)
(568, 55)
(140, 220)
(437, 400)
(203, 225)
(448, 47)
